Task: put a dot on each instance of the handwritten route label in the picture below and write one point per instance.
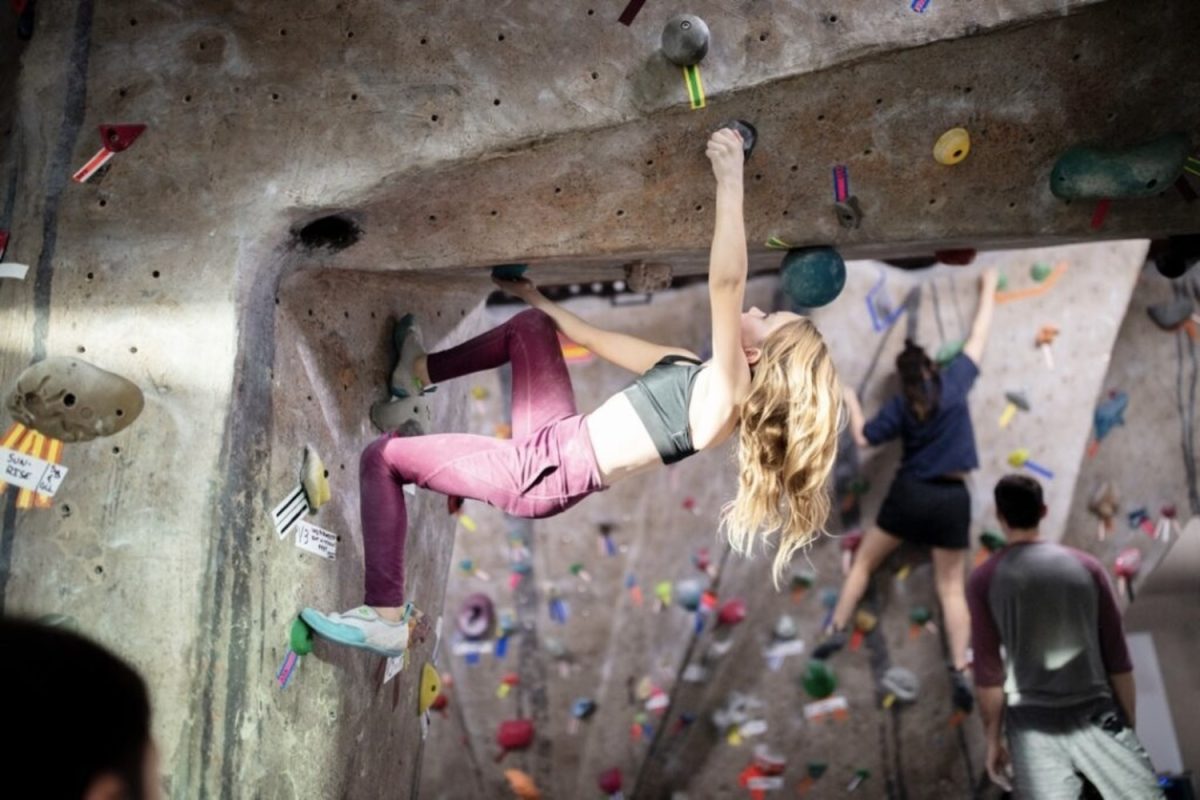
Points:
(316, 540)
(31, 473)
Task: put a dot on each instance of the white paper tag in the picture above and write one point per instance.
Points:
(658, 701)
(394, 665)
(694, 673)
(765, 784)
(30, 472)
(316, 540)
(472, 648)
(285, 515)
(823, 708)
(781, 649)
(755, 727)
(14, 271)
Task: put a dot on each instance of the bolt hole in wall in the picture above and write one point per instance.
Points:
(334, 232)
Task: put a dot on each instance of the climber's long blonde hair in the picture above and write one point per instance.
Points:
(787, 444)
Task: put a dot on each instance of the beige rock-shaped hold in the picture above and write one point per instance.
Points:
(74, 401)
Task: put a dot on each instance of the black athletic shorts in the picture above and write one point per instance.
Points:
(934, 512)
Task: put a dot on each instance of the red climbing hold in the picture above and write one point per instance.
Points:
(732, 612)
(514, 734)
(3, 243)
(955, 258)
(120, 137)
(610, 780)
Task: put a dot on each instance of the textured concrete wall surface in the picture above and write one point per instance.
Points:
(455, 136)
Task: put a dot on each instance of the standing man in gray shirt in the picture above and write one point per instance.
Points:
(1062, 690)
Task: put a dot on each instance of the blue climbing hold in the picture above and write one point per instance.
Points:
(509, 272)
(1110, 414)
(1141, 171)
(813, 276)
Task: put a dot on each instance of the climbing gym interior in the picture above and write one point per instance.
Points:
(225, 226)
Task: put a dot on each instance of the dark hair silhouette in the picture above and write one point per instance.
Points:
(74, 712)
(1019, 501)
(919, 381)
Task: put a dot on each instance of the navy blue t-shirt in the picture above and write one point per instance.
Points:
(942, 444)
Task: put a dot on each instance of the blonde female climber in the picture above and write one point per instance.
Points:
(770, 382)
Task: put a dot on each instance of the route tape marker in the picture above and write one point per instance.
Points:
(630, 12)
(1192, 165)
(775, 243)
(841, 183)
(15, 271)
(114, 139)
(695, 86)
(919, 6)
(288, 512)
(31, 463)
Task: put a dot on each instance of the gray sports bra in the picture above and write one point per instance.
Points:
(661, 397)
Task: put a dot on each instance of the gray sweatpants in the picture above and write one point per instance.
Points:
(1053, 754)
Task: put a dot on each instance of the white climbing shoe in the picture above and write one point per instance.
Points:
(406, 339)
(363, 628)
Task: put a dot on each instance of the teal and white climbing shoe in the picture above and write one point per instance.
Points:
(406, 339)
(407, 416)
(363, 628)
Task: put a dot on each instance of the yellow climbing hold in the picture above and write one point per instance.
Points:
(315, 480)
(952, 146)
(431, 685)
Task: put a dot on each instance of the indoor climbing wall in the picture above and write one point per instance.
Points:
(1137, 484)
(621, 677)
(208, 201)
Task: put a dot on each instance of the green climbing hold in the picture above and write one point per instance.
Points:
(818, 679)
(812, 276)
(816, 769)
(993, 541)
(803, 579)
(300, 638)
(947, 352)
(1039, 272)
(919, 615)
(509, 272)
(1140, 171)
(1002, 283)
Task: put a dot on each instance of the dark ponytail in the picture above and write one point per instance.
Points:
(919, 381)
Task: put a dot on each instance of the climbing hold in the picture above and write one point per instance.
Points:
(948, 352)
(748, 133)
(114, 139)
(514, 734)
(315, 480)
(1110, 413)
(952, 146)
(829, 597)
(1039, 272)
(1170, 315)
(300, 637)
(769, 761)
(785, 628)
(901, 683)
(610, 781)
(818, 679)
(1140, 171)
(849, 213)
(1014, 401)
(919, 615)
(74, 401)
(431, 687)
(860, 775)
(865, 621)
(736, 710)
(58, 621)
(646, 278)
(583, 708)
(688, 592)
(3, 243)
(993, 541)
(803, 579)
(476, 616)
(1126, 566)
(813, 277)
(1045, 337)
(522, 785)
(1020, 458)
(732, 612)
(1177, 256)
(955, 258)
(685, 40)
(509, 272)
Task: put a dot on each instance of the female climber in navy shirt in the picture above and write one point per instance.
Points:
(770, 383)
(928, 503)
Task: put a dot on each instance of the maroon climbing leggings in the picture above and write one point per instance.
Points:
(547, 466)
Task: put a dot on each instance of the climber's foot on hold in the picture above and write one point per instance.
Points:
(406, 416)
(364, 628)
(834, 641)
(406, 338)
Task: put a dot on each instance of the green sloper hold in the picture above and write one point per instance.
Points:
(300, 638)
(813, 276)
(818, 679)
(1141, 171)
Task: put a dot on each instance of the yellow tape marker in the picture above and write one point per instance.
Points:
(30, 442)
(695, 86)
(775, 243)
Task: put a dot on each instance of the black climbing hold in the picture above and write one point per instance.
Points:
(685, 40)
(1141, 171)
(334, 232)
(747, 131)
(509, 272)
(1177, 256)
(1171, 315)
(848, 212)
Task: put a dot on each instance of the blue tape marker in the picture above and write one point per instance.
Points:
(919, 6)
(501, 648)
(881, 325)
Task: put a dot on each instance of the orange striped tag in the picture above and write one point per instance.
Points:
(30, 442)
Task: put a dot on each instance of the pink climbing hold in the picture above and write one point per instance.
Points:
(610, 780)
(732, 612)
